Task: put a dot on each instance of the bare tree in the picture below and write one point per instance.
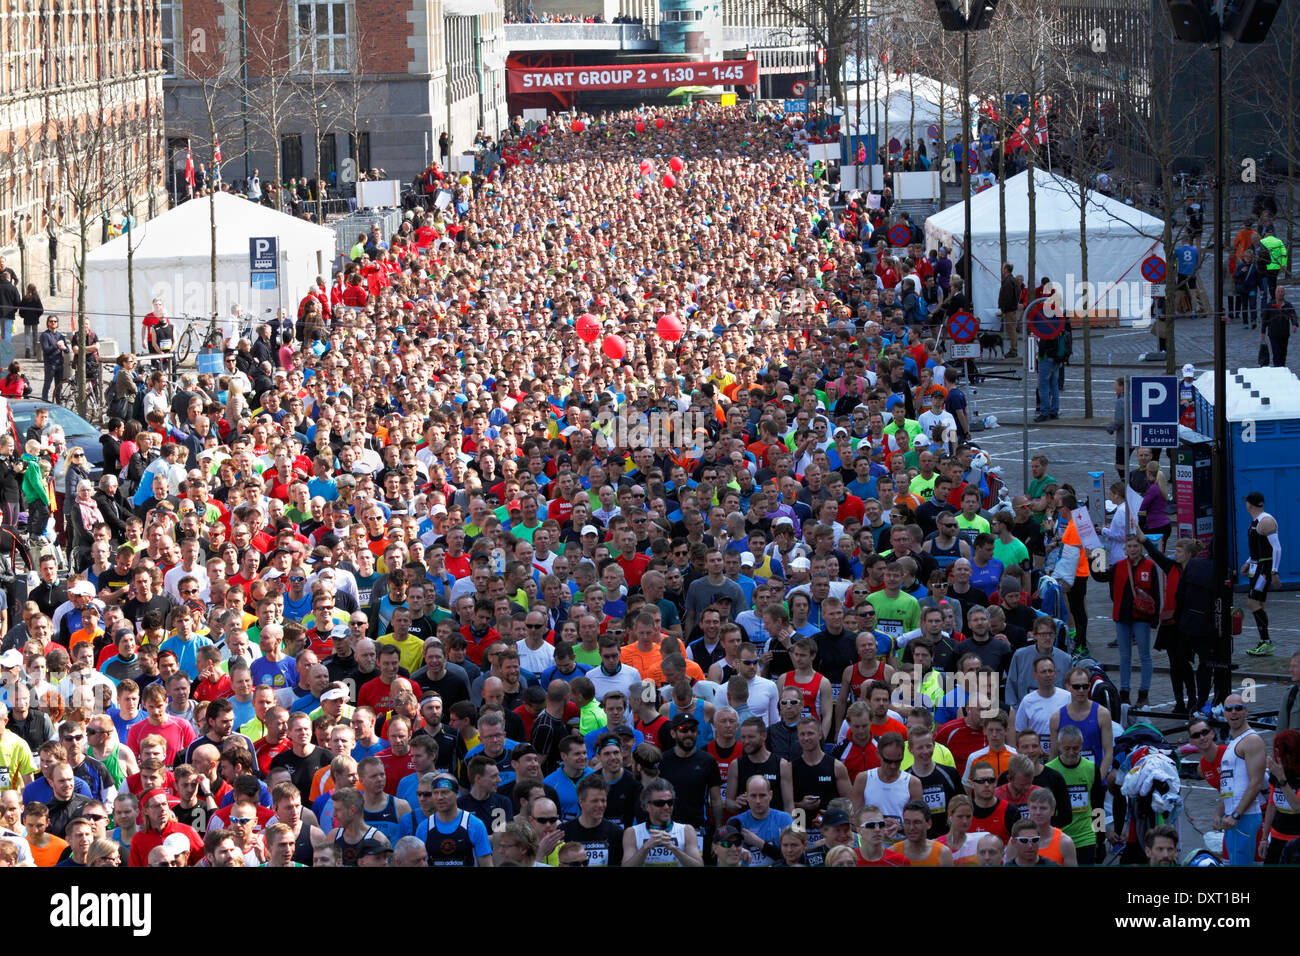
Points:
(1271, 85)
(317, 100)
(829, 24)
(271, 90)
(352, 94)
(91, 181)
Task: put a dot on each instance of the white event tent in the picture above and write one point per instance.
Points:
(1119, 239)
(172, 261)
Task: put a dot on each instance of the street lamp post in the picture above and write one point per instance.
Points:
(965, 165)
(977, 15)
(1220, 22)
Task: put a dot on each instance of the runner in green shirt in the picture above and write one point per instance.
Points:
(1008, 549)
(1039, 479)
(1080, 779)
(970, 522)
(896, 611)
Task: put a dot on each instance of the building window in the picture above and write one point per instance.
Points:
(167, 31)
(328, 158)
(323, 37)
(290, 156)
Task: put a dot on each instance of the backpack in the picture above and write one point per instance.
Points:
(1101, 688)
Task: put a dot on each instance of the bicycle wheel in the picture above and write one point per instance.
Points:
(94, 400)
(185, 345)
(66, 395)
(15, 557)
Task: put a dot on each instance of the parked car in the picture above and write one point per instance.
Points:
(78, 431)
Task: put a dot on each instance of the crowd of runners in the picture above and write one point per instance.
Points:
(622, 512)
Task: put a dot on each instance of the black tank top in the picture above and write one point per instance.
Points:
(818, 780)
(385, 820)
(937, 788)
(769, 770)
(1261, 551)
(348, 851)
(450, 849)
(945, 556)
(302, 851)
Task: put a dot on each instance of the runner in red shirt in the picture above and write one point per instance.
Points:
(872, 851)
(991, 814)
(965, 735)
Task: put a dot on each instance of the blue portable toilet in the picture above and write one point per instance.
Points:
(1263, 455)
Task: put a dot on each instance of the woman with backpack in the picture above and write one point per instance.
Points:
(1135, 604)
(1169, 638)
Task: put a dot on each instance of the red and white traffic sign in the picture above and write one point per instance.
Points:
(799, 88)
(821, 55)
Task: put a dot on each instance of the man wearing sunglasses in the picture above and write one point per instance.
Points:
(1025, 837)
(1241, 785)
(452, 836)
(660, 841)
(871, 832)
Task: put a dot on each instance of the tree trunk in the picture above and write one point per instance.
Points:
(320, 203)
(1002, 200)
(212, 227)
(130, 275)
(1087, 304)
(81, 317)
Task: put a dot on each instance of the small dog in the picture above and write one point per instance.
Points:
(991, 342)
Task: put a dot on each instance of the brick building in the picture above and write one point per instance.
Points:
(377, 83)
(80, 119)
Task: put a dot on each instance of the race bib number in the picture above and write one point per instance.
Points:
(893, 628)
(6, 778)
(934, 799)
(1078, 798)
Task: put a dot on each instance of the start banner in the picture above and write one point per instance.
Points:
(633, 76)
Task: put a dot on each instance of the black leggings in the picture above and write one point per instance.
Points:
(1181, 675)
(1213, 683)
(1075, 599)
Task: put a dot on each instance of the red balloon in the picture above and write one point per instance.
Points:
(647, 167)
(614, 347)
(676, 164)
(669, 328)
(578, 126)
(640, 126)
(587, 327)
(659, 123)
(669, 180)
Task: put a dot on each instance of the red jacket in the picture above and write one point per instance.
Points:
(1145, 578)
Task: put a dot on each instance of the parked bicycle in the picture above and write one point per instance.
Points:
(191, 340)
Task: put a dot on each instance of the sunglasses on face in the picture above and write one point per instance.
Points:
(873, 825)
(661, 803)
(1028, 840)
(1201, 733)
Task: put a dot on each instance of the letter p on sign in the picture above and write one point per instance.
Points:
(1154, 399)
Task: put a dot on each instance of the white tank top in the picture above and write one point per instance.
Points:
(662, 855)
(1234, 778)
(890, 797)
